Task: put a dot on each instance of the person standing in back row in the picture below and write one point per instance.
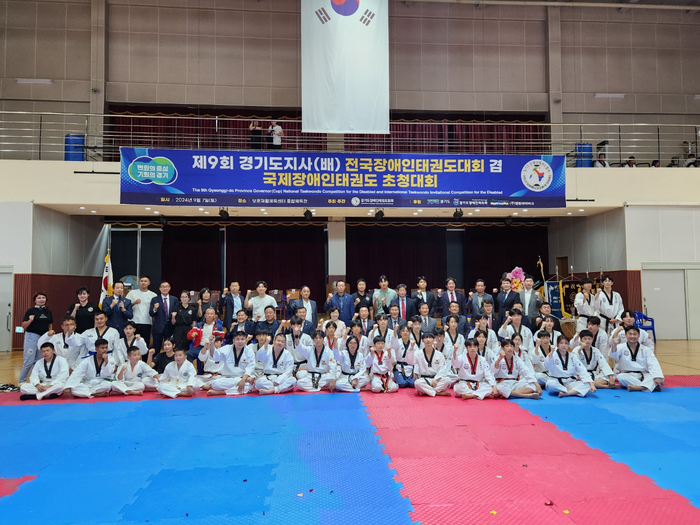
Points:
(140, 305)
(275, 135)
(35, 323)
(161, 311)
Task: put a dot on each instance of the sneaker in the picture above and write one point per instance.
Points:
(27, 397)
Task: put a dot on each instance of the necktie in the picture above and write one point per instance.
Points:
(489, 322)
(364, 326)
(165, 306)
(403, 308)
(425, 323)
(452, 297)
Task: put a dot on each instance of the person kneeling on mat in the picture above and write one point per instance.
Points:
(134, 376)
(513, 378)
(474, 371)
(48, 376)
(238, 374)
(431, 369)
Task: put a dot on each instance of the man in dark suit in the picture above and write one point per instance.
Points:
(270, 324)
(545, 310)
(407, 307)
(305, 302)
(525, 321)
(367, 323)
(504, 300)
(531, 299)
(395, 318)
(428, 324)
(117, 308)
(476, 300)
(450, 294)
(161, 310)
(491, 318)
(423, 295)
(231, 301)
(243, 324)
(462, 325)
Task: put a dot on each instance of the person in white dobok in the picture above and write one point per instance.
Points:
(594, 361)
(584, 304)
(538, 357)
(481, 323)
(431, 369)
(567, 375)
(278, 368)
(293, 339)
(483, 348)
(600, 338)
(608, 304)
(320, 372)
(401, 344)
(134, 376)
(238, 376)
(513, 378)
(639, 368)
(619, 335)
(48, 376)
(104, 332)
(213, 369)
(381, 329)
(352, 366)
(474, 371)
(513, 325)
(93, 376)
(381, 362)
(179, 377)
(131, 338)
(67, 343)
(523, 354)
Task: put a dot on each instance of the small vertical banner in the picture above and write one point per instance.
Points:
(107, 280)
(345, 66)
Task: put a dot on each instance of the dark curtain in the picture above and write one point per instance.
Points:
(402, 253)
(489, 251)
(191, 258)
(284, 256)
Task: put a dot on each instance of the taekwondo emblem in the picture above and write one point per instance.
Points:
(537, 175)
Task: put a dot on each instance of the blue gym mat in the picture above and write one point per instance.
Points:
(311, 459)
(628, 425)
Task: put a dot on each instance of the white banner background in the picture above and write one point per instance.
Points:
(345, 67)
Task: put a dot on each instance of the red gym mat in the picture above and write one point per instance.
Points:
(674, 381)
(482, 461)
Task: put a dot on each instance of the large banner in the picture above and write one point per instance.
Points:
(345, 66)
(246, 178)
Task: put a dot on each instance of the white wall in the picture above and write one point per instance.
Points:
(66, 245)
(591, 243)
(666, 234)
(16, 235)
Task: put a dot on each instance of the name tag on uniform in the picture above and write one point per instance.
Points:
(186, 374)
(139, 375)
(556, 361)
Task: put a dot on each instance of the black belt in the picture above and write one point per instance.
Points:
(586, 316)
(350, 373)
(605, 317)
(635, 372)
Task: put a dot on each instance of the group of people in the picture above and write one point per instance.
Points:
(510, 346)
(631, 162)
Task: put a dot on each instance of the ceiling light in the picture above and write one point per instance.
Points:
(155, 212)
(371, 211)
(524, 210)
(609, 95)
(34, 81)
(415, 213)
(313, 210)
(93, 211)
(581, 209)
(262, 209)
(201, 209)
(420, 210)
(149, 209)
(264, 213)
(470, 213)
(206, 213)
(515, 213)
(477, 211)
(569, 213)
(82, 207)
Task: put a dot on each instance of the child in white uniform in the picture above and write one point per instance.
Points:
(594, 361)
(179, 377)
(431, 369)
(134, 376)
(513, 378)
(381, 363)
(131, 338)
(538, 357)
(239, 374)
(474, 371)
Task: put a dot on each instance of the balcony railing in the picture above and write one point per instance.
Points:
(71, 136)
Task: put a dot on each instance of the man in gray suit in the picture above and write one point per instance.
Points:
(476, 300)
(531, 299)
(427, 323)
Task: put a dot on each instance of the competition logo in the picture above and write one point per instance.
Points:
(157, 170)
(537, 175)
(355, 201)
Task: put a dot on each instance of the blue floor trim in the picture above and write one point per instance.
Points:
(655, 434)
(241, 460)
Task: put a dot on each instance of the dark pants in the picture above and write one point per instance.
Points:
(192, 354)
(158, 338)
(144, 330)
